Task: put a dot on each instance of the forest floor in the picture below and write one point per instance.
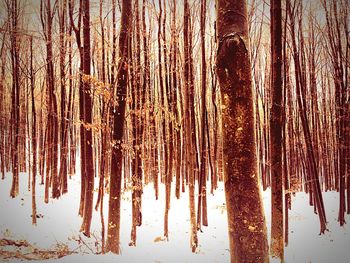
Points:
(56, 238)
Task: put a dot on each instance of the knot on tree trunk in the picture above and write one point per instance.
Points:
(232, 62)
(230, 41)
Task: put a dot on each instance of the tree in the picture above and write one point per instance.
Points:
(276, 132)
(202, 196)
(3, 121)
(137, 104)
(189, 124)
(246, 222)
(13, 14)
(47, 15)
(118, 131)
(34, 134)
(63, 174)
(87, 109)
(77, 31)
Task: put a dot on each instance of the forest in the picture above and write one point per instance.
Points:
(187, 97)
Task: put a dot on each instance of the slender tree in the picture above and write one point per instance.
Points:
(3, 121)
(118, 131)
(137, 103)
(189, 132)
(13, 14)
(34, 135)
(276, 132)
(47, 15)
(202, 217)
(63, 173)
(87, 108)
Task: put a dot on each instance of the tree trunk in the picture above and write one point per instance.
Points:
(118, 131)
(202, 217)
(137, 129)
(15, 112)
(246, 221)
(89, 160)
(189, 151)
(34, 135)
(3, 113)
(277, 244)
(63, 173)
(52, 161)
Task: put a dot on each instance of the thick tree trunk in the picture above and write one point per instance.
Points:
(246, 222)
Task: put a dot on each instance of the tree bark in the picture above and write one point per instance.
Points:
(277, 245)
(89, 159)
(189, 151)
(202, 217)
(246, 221)
(118, 131)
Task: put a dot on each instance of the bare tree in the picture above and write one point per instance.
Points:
(13, 15)
(47, 15)
(118, 131)
(189, 124)
(63, 173)
(34, 134)
(87, 109)
(246, 221)
(276, 132)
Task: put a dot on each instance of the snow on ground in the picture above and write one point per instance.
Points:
(61, 224)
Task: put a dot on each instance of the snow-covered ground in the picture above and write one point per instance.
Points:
(60, 224)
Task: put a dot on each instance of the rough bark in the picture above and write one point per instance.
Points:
(246, 222)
